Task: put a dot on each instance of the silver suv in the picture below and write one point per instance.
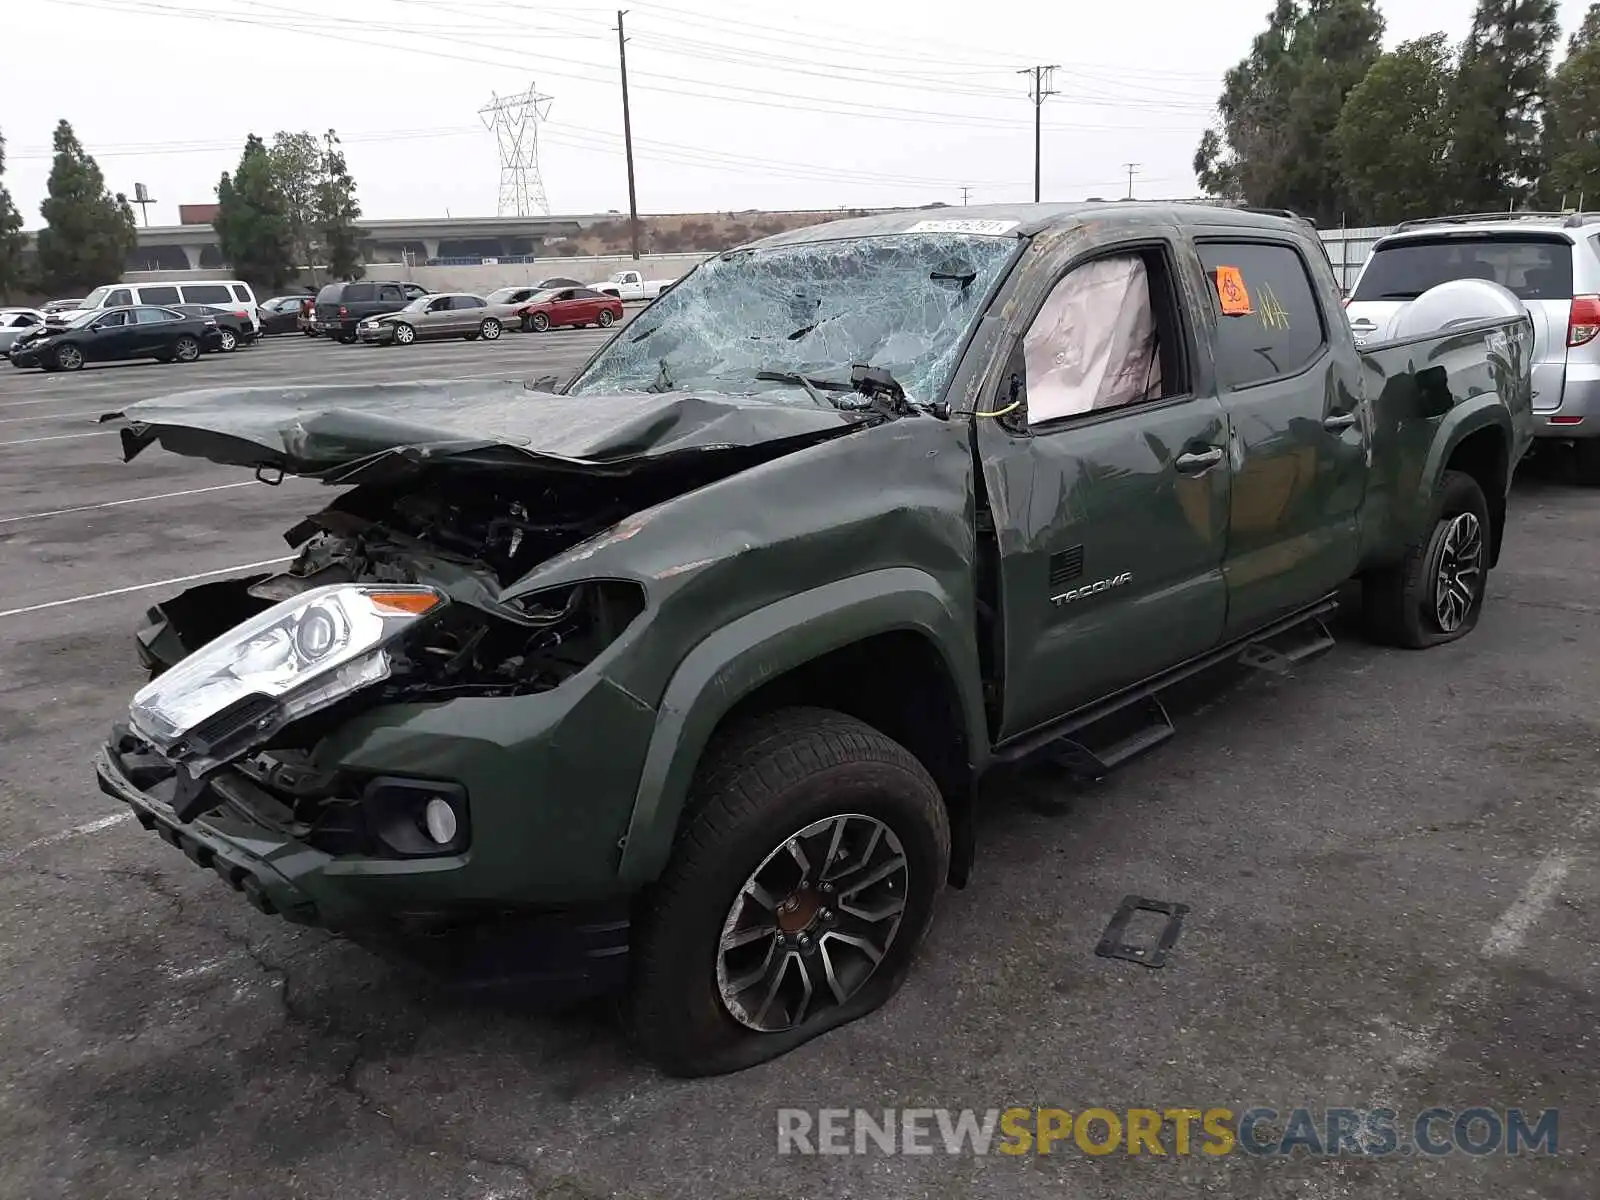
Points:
(1551, 261)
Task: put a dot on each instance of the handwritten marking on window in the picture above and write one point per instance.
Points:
(1273, 314)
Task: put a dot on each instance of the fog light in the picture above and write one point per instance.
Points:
(440, 819)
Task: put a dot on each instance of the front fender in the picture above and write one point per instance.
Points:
(770, 642)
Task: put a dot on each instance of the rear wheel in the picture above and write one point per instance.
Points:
(490, 329)
(404, 335)
(186, 349)
(605, 318)
(1434, 594)
(227, 340)
(540, 322)
(806, 872)
(68, 358)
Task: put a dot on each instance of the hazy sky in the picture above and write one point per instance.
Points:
(734, 105)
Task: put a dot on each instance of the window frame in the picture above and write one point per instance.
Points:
(1324, 348)
(1177, 309)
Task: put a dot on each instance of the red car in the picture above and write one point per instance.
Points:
(570, 306)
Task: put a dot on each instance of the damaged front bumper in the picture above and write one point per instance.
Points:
(544, 916)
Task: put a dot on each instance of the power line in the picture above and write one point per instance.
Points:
(1041, 88)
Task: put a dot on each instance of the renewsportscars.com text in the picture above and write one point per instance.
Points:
(1161, 1132)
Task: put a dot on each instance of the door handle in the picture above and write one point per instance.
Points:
(1334, 422)
(1192, 462)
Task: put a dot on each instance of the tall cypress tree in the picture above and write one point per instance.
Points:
(1496, 158)
(88, 232)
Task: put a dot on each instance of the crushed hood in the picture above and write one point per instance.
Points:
(362, 432)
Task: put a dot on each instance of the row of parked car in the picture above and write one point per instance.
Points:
(180, 321)
(398, 313)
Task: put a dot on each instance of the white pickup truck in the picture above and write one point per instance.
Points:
(630, 285)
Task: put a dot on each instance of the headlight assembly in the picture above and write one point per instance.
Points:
(283, 664)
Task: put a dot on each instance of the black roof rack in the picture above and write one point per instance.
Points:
(1275, 212)
(1463, 218)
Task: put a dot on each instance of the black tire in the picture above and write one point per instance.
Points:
(1587, 453)
(759, 785)
(605, 318)
(348, 339)
(68, 358)
(1401, 605)
(527, 324)
(404, 334)
(489, 330)
(539, 322)
(186, 349)
(228, 341)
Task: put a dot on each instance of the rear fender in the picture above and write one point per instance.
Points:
(768, 643)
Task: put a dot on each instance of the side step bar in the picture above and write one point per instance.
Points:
(1093, 740)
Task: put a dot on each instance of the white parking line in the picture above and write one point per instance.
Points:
(81, 412)
(61, 512)
(75, 831)
(58, 437)
(139, 587)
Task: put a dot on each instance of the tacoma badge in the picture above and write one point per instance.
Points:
(1090, 589)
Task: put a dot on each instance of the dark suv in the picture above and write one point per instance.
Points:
(340, 307)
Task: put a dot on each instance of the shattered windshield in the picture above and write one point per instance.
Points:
(902, 303)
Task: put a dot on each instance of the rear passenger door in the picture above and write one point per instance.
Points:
(1296, 435)
(466, 313)
(1110, 496)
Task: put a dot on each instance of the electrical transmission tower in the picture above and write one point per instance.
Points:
(514, 121)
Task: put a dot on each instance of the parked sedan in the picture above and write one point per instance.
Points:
(113, 334)
(442, 315)
(578, 306)
(233, 327)
(281, 314)
(14, 322)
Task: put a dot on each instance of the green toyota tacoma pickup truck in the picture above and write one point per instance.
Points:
(678, 679)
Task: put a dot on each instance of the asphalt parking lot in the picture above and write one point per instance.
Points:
(1389, 858)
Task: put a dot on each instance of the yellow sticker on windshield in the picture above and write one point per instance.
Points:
(1231, 291)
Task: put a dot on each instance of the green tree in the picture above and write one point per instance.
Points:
(88, 232)
(297, 165)
(338, 212)
(1280, 106)
(1393, 135)
(252, 221)
(10, 236)
(1496, 158)
(1572, 119)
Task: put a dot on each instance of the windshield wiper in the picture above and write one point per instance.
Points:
(884, 393)
(813, 386)
(663, 381)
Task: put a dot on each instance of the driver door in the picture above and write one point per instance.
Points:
(1107, 478)
(111, 337)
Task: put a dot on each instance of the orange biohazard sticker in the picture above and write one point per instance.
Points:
(1231, 291)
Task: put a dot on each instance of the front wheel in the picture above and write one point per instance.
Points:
(807, 870)
(404, 335)
(489, 330)
(605, 318)
(68, 358)
(540, 322)
(1434, 594)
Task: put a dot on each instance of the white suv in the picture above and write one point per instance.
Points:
(1551, 261)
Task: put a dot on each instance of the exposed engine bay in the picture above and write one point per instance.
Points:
(471, 533)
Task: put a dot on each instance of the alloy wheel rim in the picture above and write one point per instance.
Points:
(404, 334)
(811, 924)
(188, 350)
(228, 340)
(1455, 586)
(69, 357)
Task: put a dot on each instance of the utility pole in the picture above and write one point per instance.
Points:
(1041, 88)
(964, 192)
(627, 139)
(1132, 167)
